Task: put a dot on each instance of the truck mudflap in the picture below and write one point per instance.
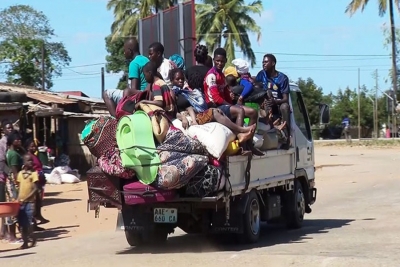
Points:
(313, 195)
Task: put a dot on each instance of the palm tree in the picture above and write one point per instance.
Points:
(128, 12)
(384, 5)
(231, 20)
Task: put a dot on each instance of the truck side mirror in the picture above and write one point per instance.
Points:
(325, 114)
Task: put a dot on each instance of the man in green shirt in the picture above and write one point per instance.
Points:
(135, 73)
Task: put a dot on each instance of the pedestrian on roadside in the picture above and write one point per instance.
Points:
(28, 183)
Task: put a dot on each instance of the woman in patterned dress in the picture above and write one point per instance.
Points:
(14, 162)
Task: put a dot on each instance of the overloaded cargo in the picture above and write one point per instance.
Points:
(162, 176)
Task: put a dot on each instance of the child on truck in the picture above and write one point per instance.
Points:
(190, 100)
(28, 181)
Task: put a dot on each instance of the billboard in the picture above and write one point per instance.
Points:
(174, 27)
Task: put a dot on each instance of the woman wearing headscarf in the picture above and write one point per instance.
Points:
(14, 162)
(178, 60)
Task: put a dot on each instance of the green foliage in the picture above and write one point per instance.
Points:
(313, 96)
(345, 102)
(231, 20)
(116, 61)
(217, 21)
(23, 33)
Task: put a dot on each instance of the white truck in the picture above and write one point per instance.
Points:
(278, 185)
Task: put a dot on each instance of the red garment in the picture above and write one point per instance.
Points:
(216, 91)
(37, 165)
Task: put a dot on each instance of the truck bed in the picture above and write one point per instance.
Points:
(271, 170)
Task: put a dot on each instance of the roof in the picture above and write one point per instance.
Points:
(94, 100)
(75, 93)
(10, 106)
(49, 98)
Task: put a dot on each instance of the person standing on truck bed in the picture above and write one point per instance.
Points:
(164, 65)
(135, 73)
(278, 84)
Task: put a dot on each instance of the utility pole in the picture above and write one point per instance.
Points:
(102, 81)
(43, 69)
(376, 126)
(394, 65)
(359, 107)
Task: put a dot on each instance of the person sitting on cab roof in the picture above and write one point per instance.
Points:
(112, 97)
(278, 83)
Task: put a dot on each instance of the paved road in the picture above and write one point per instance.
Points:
(354, 223)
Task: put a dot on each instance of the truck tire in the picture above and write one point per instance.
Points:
(296, 206)
(133, 238)
(251, 220)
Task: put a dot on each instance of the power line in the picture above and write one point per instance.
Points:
(318, 55)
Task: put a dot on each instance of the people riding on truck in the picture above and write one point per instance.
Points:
(161, 175)
(164, 65)
(190, 102)
(278, 83)
(138, 83)
(218, 95)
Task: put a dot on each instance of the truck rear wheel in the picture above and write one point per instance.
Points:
(296, 206)
(251, 220)
(133, 238)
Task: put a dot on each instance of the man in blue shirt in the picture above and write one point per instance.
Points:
(278, 84)
(346, 128)
(135, 73)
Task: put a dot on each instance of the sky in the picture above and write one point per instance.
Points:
(309, 38)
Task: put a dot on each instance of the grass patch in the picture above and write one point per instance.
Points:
(361, 143)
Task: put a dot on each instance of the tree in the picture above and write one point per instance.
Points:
(313, 96)
(126, 22)
(24, 31)
(116, 61)
(231, 20)
(384, 6)
(128, 12)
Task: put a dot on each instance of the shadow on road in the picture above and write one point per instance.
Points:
(52, 201)
(55, 233)
(270, 236)
(15, 255)
(51, 194)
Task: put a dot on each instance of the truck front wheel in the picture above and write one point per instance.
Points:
(295, 207)
(251, 220)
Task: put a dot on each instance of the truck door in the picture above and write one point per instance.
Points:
(302, 134)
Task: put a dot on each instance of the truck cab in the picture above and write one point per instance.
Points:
(278, 187)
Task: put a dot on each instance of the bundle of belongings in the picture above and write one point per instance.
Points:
(151, 153)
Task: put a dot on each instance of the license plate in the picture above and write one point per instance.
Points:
(165, 215)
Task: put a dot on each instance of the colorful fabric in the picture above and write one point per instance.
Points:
(181, 159)
(194, 97)
(102, 137)
(205, 117)
(178, 60)
(161, 92)
(111, 164)
(127, 104)
(11, 195)
(216, 90)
